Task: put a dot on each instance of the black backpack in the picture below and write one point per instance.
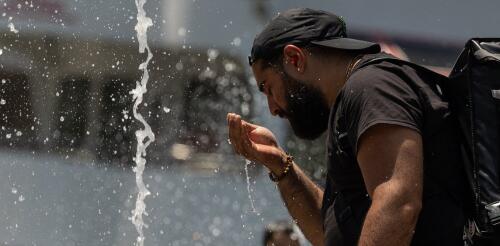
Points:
(473, 88)
(475, 91)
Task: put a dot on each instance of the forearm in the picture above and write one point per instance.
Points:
(391, 161)
(389, 224)
(303, 199)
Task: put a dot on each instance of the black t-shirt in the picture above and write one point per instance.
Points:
(388, 92)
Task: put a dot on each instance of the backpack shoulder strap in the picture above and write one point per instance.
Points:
(392, 59)
(442, 81)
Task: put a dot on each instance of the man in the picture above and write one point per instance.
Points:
(394, 173)
(280, 233)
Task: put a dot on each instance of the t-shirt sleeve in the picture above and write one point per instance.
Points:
(376, 95)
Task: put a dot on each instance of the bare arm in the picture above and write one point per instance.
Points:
(391, 161)
(302, 197)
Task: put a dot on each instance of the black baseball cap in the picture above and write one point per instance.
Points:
(303, 27)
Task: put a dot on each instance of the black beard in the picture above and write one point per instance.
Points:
(307, 109)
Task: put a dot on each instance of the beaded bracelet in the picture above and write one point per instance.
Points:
(289, 163)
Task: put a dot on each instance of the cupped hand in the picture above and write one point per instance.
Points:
(256, 143)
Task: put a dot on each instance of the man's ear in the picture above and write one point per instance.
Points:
(294, 57)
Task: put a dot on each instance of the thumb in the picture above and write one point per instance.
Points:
(249, 126)
(247, 129)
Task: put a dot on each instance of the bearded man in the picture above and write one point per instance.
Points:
(394, 175)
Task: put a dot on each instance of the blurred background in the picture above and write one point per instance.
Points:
(67, 131)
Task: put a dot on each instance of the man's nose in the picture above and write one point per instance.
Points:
(273, 107)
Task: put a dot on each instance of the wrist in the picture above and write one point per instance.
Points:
(283, 170)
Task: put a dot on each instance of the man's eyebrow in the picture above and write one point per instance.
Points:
(261, 85)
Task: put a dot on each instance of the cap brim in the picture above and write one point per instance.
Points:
(349, 44)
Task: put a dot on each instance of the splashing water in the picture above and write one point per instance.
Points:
(247, 163)
(13, 28)
(144, 136)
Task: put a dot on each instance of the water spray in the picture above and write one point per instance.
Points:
(144, 136)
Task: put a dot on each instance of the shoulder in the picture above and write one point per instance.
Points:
(384, 78)
(380, 73)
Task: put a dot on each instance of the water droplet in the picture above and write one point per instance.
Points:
(229, 67)
(212, 54)
(179, 66)
(14, 190)
(236, 41)
(12, 27)
(247, 163)
(61, 119)
(181, 32)
(2, 101)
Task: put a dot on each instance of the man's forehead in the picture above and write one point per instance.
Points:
(261, 75)
(257, 65)
(258, 70)
(261, 68)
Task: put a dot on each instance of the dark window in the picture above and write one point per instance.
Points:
(206, 103)
(116, 136)
(71, 115)
(199, 117)
(16, 111)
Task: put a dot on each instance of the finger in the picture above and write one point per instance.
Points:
(238, 123)
(228, 119)
(246, 144)
(233, 132)
(237, 131)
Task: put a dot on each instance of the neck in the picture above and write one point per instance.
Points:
(333, 75)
